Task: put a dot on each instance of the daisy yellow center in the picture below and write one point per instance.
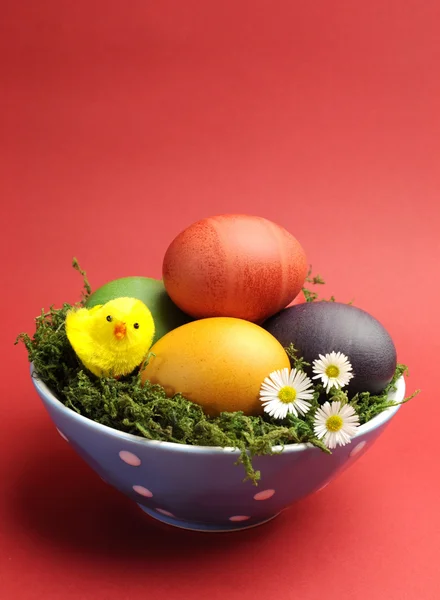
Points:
(287, 394)
(332, 371)
(334, 423)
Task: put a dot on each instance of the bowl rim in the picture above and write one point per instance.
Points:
(398, 394)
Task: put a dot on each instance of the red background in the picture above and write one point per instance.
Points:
(122, 123)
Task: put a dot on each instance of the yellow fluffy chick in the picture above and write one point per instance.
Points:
(111, 339)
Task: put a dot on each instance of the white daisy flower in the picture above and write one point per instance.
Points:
(334, 424)
(333, 369)
(286, 392)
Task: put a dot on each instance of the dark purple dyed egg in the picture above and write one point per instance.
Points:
(322, 327)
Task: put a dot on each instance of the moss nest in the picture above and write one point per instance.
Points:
(145, 410)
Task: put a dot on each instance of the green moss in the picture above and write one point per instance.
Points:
(145, 410)
(312, 280)
(369, 405)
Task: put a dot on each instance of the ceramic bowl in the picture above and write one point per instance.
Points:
(201, 488)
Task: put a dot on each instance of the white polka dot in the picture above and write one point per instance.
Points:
(129, 458)
(264, 495)
(239, 518)
(166, 513)
(62, 435)
(139, 489)
(358, 448)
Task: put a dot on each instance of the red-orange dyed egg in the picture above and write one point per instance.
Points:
(234, 266)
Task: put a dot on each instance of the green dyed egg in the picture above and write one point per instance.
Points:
(167, 316)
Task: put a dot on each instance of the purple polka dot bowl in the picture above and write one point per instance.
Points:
(201, 488)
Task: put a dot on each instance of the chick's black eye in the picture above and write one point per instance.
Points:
(136, 325)
(109, 319)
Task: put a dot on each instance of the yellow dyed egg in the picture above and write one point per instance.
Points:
(218, 363)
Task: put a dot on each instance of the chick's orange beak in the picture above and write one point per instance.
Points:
(120, 330)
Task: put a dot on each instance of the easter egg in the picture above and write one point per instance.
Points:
(234, 266)
(166, 314)
(218, 363)
(322, 327)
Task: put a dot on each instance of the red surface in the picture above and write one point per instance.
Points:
(124, 122)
